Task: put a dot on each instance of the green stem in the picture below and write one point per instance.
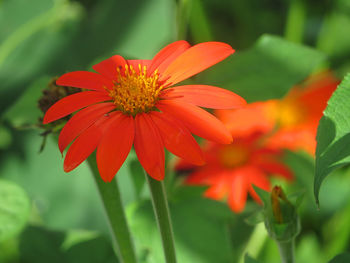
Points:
(286, 251)
(112, 202)
(295, 21)
(161, 211)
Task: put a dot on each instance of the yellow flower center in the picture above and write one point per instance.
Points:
(290, 113)
(135, 92)
(233, 156)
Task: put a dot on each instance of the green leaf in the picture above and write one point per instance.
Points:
(248, 259)
(14, 209)
(255, 218)
(267, 70)
(95, 250)
(38, 245)
(342, 258)
(333, 135)
(264, 195)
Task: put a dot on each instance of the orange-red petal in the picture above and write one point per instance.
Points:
(81, 121)
(207, 96)
(148, 146)
(86, 143)
(177, 139)
(72, 103)
(253, 118)
(115, 147)
(238, 192)
(167, 55)
(197, 120)
(195, 60)
(108, 67)
(84, 80)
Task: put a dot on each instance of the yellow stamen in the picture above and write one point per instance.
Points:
(290, 113)
(135, 92)
(232, 156)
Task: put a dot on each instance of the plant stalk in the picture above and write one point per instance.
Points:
(111, 198)
(286, 250)
(162, 214)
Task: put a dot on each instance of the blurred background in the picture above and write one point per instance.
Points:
(49, 216)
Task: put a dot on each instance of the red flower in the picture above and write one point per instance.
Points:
(298, 113)
(232, 170)
(291, 122)
(134, 102)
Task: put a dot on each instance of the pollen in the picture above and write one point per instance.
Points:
(135, 91)
(233, 156)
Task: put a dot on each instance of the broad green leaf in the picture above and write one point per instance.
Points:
(267, 70)
(333, 135)
(342, 258)
(95, 250)
(41, 245)
(200, 235)
(14, 209)
(249, 259)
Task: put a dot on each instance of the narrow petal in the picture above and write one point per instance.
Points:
(238, 194)
(87, 142)
(197, 120)
(81, 121)
(195, 60)
(167, 55)
(72, 103)
(108, 67)
(177, 139)
(115, 147)
(219, 186)
(84, 80)
(207, 96)
(148, 146)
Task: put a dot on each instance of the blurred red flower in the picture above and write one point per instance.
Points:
(232, 170)
(134, 102)
(289, 123)
(298, 113)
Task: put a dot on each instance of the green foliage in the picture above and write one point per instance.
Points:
(200, 228)
(267, 70)
(342, 258)
(14, 209)
(249, 259)
(333, 135)
(39, 245)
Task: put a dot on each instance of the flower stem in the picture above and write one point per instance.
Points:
(112, 202)
(161, 211)
(286, 251)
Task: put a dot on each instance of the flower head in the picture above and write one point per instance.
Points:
(134, 102)
(289, 123)
(298, 113)
(232, 170)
